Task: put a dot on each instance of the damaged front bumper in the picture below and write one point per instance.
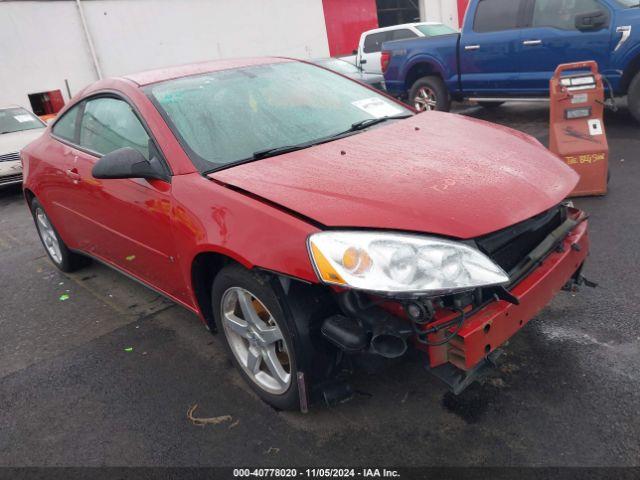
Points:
(461, 334)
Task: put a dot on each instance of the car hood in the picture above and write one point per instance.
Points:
(435, 173)
(16, 141)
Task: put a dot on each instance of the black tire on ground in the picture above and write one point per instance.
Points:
(259, 286)
(633, 99)
(427, 89)
(490, 104)
(69, 261)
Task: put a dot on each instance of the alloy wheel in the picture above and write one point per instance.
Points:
(48, 235)
(256, 340)
(425, 100)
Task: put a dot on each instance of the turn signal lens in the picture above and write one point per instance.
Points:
(326, 272)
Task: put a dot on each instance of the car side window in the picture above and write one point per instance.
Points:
(562, 14)
(496, 15)
(402, 34)
(109, 124)
(65, 127)
(373, 42)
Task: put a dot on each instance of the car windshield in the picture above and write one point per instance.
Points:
(340, 66)
(227, 116)
(435, 30)
(17, 119)
(629, 3)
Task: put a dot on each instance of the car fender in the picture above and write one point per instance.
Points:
(429, 60)
(210, 217)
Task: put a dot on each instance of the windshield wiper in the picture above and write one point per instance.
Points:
(260, 154)
(361, 125)
(370, 122)
(272, 152)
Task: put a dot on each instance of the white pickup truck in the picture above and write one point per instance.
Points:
(367, 57)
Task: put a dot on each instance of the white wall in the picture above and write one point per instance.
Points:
(134, 35)
(445, 11)
(42, 43)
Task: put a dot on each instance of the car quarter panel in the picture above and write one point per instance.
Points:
(440, 54)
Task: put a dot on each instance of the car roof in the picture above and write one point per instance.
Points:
(170, 73)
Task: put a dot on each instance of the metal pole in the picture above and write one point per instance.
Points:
(94, 57)
(66, 82)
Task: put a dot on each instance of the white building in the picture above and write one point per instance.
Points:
(50, 50)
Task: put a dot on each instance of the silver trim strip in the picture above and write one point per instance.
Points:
(508, 99)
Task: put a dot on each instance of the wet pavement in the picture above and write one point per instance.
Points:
(71, 394)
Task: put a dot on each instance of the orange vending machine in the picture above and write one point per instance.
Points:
(577, 127)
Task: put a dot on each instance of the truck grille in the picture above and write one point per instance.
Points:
(10, 157)
(510, 246)
(11, 179)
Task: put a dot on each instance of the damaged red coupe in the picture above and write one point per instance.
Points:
(308, 218)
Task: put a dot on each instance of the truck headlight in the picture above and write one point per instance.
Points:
(400, 263)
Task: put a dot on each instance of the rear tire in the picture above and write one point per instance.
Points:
(249, 317)
(428, 94)
(56, 249)
(633, 99)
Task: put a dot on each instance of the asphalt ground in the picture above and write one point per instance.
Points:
(71, 395)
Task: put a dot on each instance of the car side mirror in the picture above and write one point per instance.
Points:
(127, 163)
(591, 21)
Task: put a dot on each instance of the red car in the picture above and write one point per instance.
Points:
(308, 217)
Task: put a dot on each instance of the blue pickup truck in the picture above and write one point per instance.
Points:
(510, 48)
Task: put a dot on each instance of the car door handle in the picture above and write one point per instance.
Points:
(531, 43)
(73, 174)
(472, 47)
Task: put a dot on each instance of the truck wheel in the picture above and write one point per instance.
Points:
(429, 93)
(633, 99)
(259, 339)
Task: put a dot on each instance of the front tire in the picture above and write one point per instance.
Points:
(428, 94)
(258, 337)
(633, 99)
(56, 249)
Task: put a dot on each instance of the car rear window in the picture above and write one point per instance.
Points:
(496, 15)
(373, 42)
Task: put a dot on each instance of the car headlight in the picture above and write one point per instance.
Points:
(400, 263)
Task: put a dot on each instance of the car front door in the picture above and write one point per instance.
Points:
(128, 221)
(489, 48)
(553, 37)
